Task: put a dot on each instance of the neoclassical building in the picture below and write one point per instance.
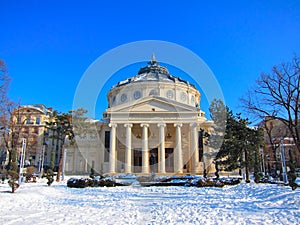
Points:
(153, 124)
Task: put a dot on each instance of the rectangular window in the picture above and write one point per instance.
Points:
(28, 120)
(107, 139)
(38, 121)
(107, 146)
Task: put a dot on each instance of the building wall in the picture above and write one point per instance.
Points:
(277, 131)
(29, 123)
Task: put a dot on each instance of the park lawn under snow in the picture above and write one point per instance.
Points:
(36, 203)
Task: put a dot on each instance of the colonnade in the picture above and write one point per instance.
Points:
(178, 153)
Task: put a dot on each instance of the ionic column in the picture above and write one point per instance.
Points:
(178, 150)
(162, 168)
(128, 148)
(145, 150)
(112, 154)
(194, 146)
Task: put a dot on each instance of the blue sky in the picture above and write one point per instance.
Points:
(48, 45)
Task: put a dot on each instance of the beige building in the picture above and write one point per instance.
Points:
(29, 123)
(153, 124)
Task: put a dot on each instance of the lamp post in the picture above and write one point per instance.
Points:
(22, 160)
(263, 165)
(283, 163)
(64, 164)
(268, 165)
(42, 158)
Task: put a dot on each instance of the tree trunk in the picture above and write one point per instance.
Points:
(217, 170)
(246, 167)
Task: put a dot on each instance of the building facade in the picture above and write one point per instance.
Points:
(153, 124)
(29, 124)
(277, 135)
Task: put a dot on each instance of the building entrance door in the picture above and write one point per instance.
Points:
(137, 160)
(153, 160)
(169, 158)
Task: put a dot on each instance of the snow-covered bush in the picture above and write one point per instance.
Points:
(78, 182)
(13, 180)
(87, 182)
(30, 173)
(258, 177)
(49, 176)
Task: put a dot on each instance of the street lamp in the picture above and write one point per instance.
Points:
(42, 158)
(64, 164)
(268, 165)
(283, 163)
(263, 166)
(22, 160)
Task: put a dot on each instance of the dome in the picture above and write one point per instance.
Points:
(153, 81)
(152, 72)
(153, 67)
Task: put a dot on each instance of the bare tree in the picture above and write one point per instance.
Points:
(4, 84)
(277, 95)
(12, 128)
(5, 104)
(9, 138)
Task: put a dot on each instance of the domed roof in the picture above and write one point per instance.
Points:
(153, 67)
(152, 72)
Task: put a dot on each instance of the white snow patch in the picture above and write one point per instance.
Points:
(36, 203)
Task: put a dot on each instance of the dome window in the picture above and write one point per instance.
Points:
(137, 95)
(123, 97)
(193, 99)
(183, 96)
(170, 94)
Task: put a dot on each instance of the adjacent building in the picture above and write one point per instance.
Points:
(28, 125)
(276, 134)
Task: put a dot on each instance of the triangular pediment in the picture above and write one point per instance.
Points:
(153, 104)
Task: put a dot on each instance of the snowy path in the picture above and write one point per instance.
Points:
(242, 204)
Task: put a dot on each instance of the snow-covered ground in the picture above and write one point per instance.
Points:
(36, 203)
